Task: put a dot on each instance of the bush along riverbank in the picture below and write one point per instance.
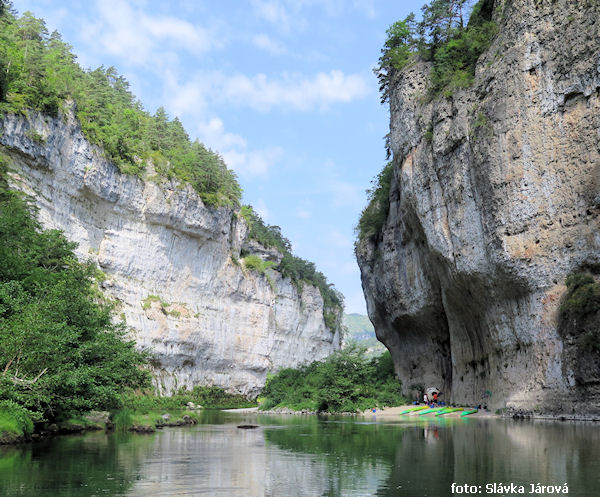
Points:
(61, 354)
(137, 412)
(345, 382)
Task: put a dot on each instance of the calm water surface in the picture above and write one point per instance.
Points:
(307, 456)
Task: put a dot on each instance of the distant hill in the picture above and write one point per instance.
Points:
(360, 330)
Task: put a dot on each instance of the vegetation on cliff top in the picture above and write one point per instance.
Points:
(453, 45)
(346, 381)
(39, 71)
(297, 269)
(443, 37)
(60, 352)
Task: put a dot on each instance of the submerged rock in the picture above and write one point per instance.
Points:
(142, 429)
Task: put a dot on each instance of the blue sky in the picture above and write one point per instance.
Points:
(283, 89)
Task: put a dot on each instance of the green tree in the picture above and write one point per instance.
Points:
(60, 353)
(38, 71)
(442, 20)
(346, 381)
(376, 212)
(445, 38)
(400, 45)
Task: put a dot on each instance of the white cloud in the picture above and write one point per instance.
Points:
(234, 149)
(184, 34)
(254, 162)
(261, 92)
(268, 44)
(273, 12)
(213, 133)
(188, 98)
(127, 31)
(293, 91)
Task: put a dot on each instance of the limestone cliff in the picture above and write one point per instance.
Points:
(171, 263)
(495, 200)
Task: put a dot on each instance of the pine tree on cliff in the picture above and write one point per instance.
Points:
(441, 18)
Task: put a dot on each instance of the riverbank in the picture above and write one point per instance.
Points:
(138, 412)
(396, 412)
(385, 412)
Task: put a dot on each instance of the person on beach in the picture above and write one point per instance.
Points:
(426, 399)
(435, 398)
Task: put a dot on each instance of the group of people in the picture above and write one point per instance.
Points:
(433, 401)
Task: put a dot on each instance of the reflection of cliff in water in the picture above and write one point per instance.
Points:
(425, 456)
(480, 452)
(224, 461)
(307, 456)
(285, 456)
(529, 452)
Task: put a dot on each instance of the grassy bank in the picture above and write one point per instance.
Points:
(143, 412)
(16, 422)
(149, 421)
(346, 381)
(146, 412)
(207, 397)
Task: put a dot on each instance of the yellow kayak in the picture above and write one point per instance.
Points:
(413, 409)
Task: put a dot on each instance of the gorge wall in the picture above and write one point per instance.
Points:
(495, 200)
(171, 264)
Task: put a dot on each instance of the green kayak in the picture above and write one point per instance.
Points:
(413, 409)
(434, 409)
(466, 413)
(448, 410)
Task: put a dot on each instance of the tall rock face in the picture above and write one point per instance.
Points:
(495, 200)
(171, 264)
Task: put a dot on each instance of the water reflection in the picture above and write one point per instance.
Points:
(97, 464)
(307, 456)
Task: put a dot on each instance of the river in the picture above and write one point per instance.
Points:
(308, 456)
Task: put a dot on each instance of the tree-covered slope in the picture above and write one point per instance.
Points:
(359, 330)
(39, 71)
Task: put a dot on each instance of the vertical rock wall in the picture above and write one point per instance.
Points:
(171, 263)
(495, 200)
